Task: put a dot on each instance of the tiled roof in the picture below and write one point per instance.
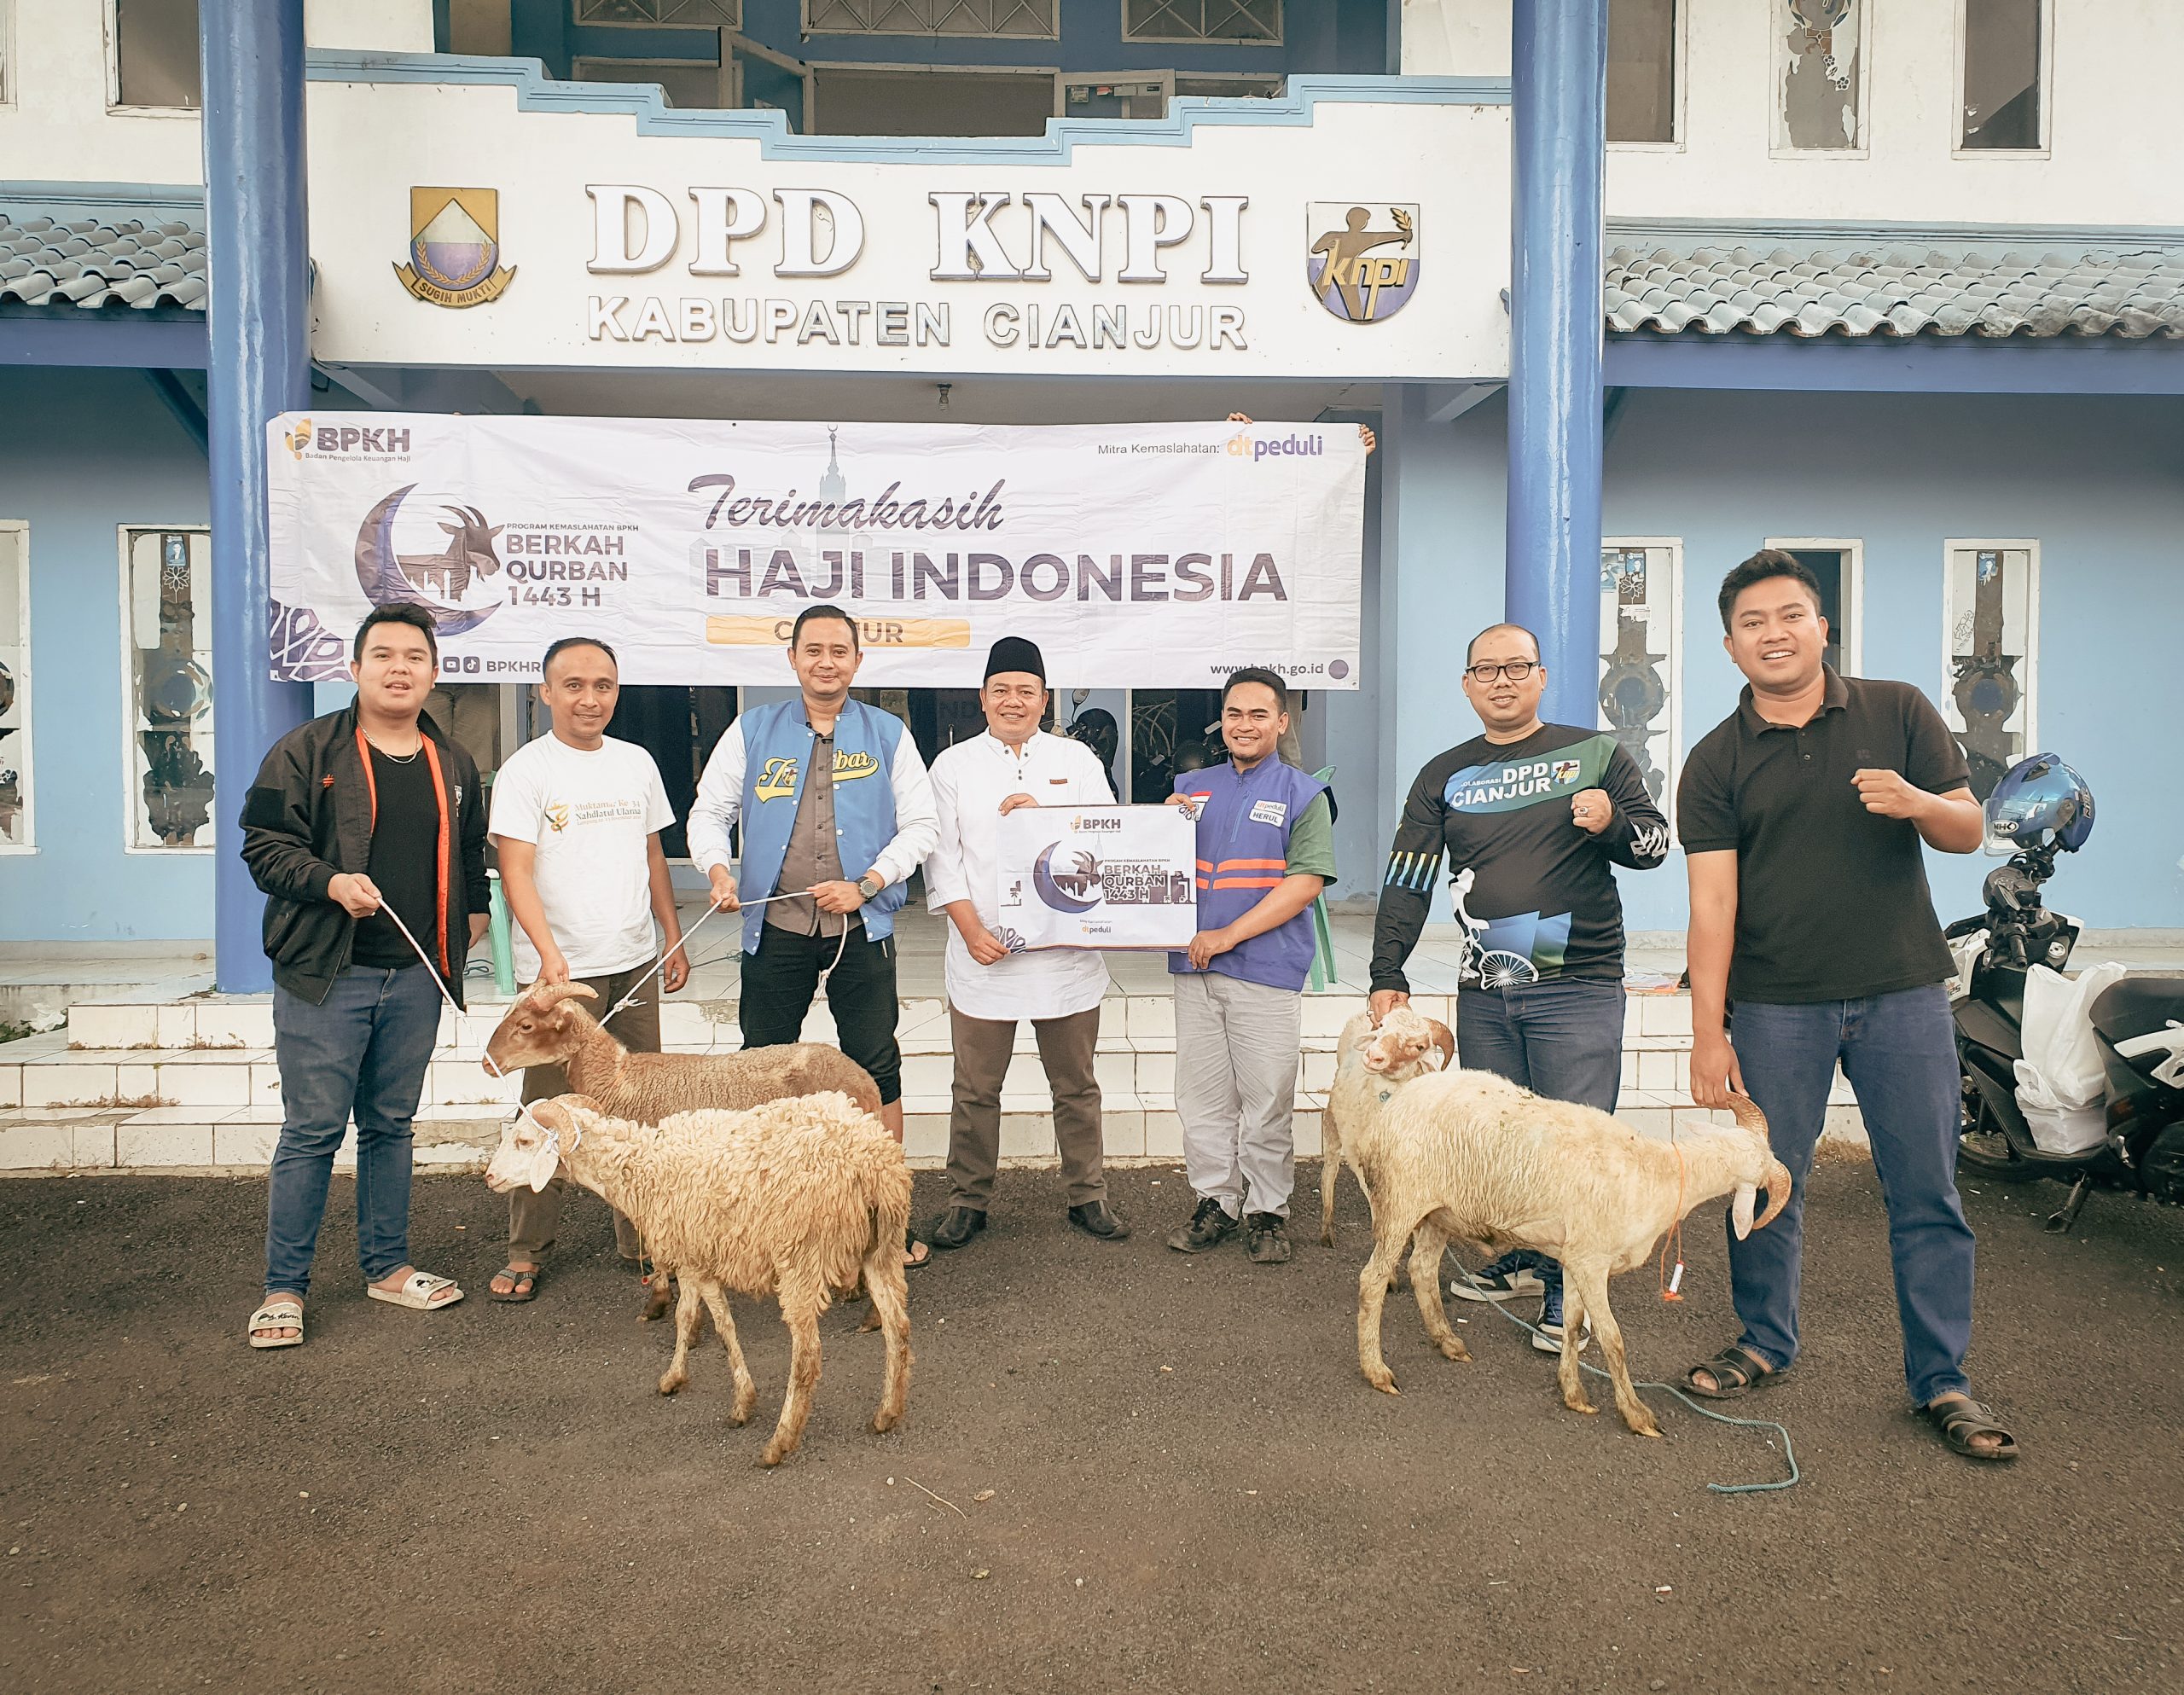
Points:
(1898, 291)
(100, 263)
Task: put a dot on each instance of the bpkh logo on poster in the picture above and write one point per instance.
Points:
(1100, 877)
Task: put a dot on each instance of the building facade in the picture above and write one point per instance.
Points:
(1897, 287)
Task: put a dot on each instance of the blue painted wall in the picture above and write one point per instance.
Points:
(2099, 482)
(83, 452)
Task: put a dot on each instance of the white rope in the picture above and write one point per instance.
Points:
(493, 1066)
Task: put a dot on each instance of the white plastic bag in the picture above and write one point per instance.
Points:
(2061, 1085)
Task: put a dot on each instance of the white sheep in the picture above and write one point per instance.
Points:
(1351, 1097)
(793, 1197)
(1469, 1155)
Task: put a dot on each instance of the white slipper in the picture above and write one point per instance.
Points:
(281, 1315)
(416, 1292)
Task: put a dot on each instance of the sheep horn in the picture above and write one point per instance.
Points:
(1748, 1115)
(1778, 1194)
(547, 995)
(1445, 1040)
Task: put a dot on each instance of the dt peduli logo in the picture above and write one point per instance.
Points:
(1361, 260)
(455, 246)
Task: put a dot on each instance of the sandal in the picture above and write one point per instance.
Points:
(285, 1314)
(1960, 1421)
(416, 1292)
(920, 1254)
(527, 1285)
(1736, 1370)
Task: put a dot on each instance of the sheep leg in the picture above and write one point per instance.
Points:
(1389, 1238)
(802, 1302)
(1567, 1377)
(747, 1387)
(1426, 1283)
(884, 1281)
(690, 1316)
(1593, 1287)
(1331, 1170)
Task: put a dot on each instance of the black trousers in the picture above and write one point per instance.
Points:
(779, 979)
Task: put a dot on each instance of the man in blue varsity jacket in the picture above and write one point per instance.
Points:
(1265, 849)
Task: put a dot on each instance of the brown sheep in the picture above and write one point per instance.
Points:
(791, 1198)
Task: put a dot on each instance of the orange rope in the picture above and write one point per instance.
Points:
(1675, 1237)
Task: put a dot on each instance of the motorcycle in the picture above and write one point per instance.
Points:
(2044, 809)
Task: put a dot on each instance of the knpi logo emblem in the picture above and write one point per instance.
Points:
(1361, 260)
(455, 246)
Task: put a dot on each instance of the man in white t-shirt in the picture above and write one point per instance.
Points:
(990, 987)
(576, 818)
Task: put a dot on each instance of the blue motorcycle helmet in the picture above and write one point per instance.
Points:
(2038, 797)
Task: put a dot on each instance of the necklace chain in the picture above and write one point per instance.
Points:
(398, 759)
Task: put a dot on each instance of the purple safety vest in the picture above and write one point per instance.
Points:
(1244, 823)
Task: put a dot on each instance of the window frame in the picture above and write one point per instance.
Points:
(727, 76)
(1960, 44)
(7, 53)
(110, 12)
(1679, 72)
(126, 638)
(25, 762)
(815, 67)
(1779, 71)
(1853, 640)
(1951, 547)
(1278, 39)
(577, 20)
(1673, 774)
(811, 33)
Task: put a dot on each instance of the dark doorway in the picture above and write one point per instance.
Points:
(1171, 730)
(1832, 567)
(678, 726)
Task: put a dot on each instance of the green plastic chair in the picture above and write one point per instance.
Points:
(1322, 973)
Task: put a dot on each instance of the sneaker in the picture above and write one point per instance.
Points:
(1547, 1332)
(1499, 1281)
(1209, 1226)
(1267, 1239)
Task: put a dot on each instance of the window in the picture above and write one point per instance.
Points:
(690, 84)
(6, 48)
(1641, 652)
(166, 671)
(1990, 654)
(662, 13)
(930, 100)
(1128, 93)
(1819, 75)
(1641, 67)
(1034, 20)
(14, 687)
(1840, 567)
(152, 54)
(1255, 22)
(2000, 60)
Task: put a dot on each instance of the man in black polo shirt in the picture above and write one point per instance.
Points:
(1802, 814)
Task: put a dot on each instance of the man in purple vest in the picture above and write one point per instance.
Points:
(1265, 849)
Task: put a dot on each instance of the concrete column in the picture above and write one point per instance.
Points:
(253, 57)
(1559, 70)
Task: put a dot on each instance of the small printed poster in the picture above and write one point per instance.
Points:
(1117, 877)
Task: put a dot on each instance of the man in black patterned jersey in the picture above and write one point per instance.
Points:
(1537, 812)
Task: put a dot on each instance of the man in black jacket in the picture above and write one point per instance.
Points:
(357, 819)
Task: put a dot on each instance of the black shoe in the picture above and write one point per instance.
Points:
(1093, 1219)
(1209, 1227)
(1267, 1239)
(954, 1227)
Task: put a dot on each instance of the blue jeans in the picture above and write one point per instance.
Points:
(362, 1051)
(1899, 1052)
(1562, 1039)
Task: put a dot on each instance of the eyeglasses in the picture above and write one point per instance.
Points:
(1515, 669)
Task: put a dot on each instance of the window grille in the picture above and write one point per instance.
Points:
(662, 13)
(1034, 20)
(1201, 20)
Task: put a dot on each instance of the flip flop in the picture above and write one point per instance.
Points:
(526, 1285)
(281, 1315)
(416, 1292)
(1736, 1371)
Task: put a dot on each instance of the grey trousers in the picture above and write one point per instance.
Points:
(1237, 1047)
(982, 1047)
(534, 1218)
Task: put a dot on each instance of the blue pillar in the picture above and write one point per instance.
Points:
(1559, 70)
(253, 57)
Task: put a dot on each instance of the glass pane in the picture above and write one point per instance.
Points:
(155, 42)
(1642, 69)
(171, 689)
(14, 691)
(1987, 692)
(1818, 70)
(1832, 565)
(2001, 73)
(1639, 659)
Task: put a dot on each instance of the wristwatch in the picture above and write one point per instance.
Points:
(868, 886)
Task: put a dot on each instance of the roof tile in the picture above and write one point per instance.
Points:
(94, 264)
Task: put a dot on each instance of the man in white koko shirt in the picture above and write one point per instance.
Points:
(991, 983)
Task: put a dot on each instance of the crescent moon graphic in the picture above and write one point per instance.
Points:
(1050, 891)
(379, 575)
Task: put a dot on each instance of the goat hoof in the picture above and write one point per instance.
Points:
(776, 1453)
(1584, 1407)
(882, 1423)
(668, 1385)
(1455, 1350)
(1384, 1381)
(1326, 1239)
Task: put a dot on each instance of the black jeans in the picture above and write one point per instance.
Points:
(779, 979)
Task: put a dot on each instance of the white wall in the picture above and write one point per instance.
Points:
(2113, 157)
(55, 126)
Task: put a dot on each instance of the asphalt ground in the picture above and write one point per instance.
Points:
(1122, 1468)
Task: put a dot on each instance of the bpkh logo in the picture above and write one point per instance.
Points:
(1361, 261)
(354, 440)
(1245, 445)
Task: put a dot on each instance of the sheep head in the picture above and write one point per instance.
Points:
(1774, 1176)
(532, 1143)
(537, 1028)
(1406, 1043)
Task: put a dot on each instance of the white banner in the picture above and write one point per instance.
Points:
(1098, 877)
(1136, 555)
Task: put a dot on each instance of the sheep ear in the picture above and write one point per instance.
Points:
(1741, 1209)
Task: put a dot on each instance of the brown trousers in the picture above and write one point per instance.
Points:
(534, 1217)
(981, 1049)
